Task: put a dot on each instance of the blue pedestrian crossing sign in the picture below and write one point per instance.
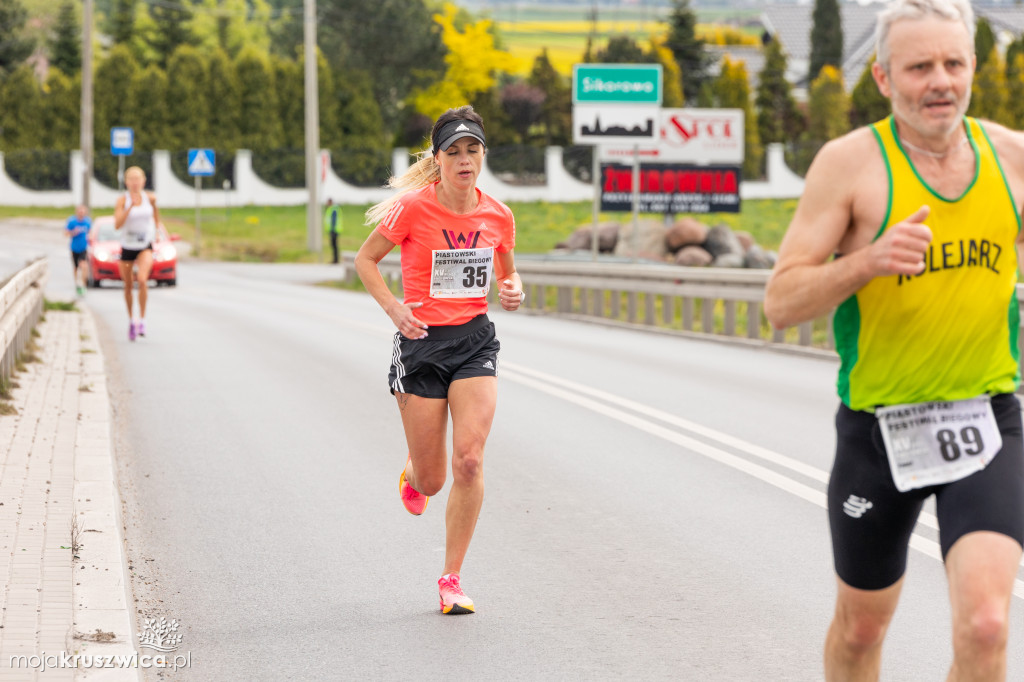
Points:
(122, 141)
(200, 162)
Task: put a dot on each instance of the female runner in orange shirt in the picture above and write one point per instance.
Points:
(453, 237)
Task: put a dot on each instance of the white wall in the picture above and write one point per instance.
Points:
(249, 189)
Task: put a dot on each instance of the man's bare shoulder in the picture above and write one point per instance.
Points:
(848, 151)
(1009, 144)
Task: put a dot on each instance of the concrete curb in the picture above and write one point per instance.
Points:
(56, 464)
(103, 622)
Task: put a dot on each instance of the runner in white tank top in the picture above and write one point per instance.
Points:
(139, 228)
(135, 218)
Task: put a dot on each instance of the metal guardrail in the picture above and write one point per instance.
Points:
(21, 305)
(710, 303)
(720, 303)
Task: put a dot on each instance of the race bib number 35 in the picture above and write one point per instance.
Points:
(937, 443)
(461, 273)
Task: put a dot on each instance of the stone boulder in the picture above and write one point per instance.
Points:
(693, 257)
(649, 241)
(756, 257)
(728, 260)
(746, 239)
(579, 240)
(608, 236)
(722, 241)
(684, 232)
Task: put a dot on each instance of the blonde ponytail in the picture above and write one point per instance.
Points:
(422, 173)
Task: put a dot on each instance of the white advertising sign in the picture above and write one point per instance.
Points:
(614, 124)
(701, 136)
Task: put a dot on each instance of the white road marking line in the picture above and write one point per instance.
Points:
(926, 518)
(574, 394)
(924, 545)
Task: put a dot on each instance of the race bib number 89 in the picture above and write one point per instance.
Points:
(937, 443)
(461, 273)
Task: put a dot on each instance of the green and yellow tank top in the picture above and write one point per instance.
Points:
(949, 333)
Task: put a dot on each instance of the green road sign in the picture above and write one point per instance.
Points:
(616, 83)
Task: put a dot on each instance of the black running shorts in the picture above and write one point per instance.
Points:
(130, 255)
(427, 367)
(871, 521)
(77, 257)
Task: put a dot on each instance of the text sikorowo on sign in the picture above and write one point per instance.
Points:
(672, 188)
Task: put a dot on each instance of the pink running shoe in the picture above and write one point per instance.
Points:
(132, 331)
(453, 600)
(142, 328)
(414, 502)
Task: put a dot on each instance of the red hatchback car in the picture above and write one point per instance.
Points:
(105, 254)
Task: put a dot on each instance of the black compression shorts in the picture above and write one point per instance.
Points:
(130, 255)
(427, 367)
(871, 521)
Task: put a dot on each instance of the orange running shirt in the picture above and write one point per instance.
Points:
(420, 225)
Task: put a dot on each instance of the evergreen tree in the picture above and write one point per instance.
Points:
(15, 45)
(688, 49)
(1015, 91)
(327, 97)
(360, 131)
(115, 95)
(22, 110)
(867, 103)
(588, 51)
(187, 91)
(396, 44)
(706, 97)
(1015, 48)
(826, 37)
(259, 128)
(988, 92)
(828, 107)
(61, 110)
(66, 47)
(121, 22)
(672, 79)
(555, 117)
(778, 119)
(233, 24)
(224, 98)
(153, 111)
(621, 49)
(984, 41)
(732, 88)
(172, 30)
(288, 75)
(359, 116)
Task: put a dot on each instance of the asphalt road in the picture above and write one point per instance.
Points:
(654, 509)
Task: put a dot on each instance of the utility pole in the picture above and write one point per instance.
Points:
(85, 134)
(314, 239)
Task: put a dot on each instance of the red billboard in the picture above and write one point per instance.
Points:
(672, 188)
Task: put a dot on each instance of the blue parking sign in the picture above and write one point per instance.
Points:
(201, 162)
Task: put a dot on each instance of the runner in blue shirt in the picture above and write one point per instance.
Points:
(78, 229)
